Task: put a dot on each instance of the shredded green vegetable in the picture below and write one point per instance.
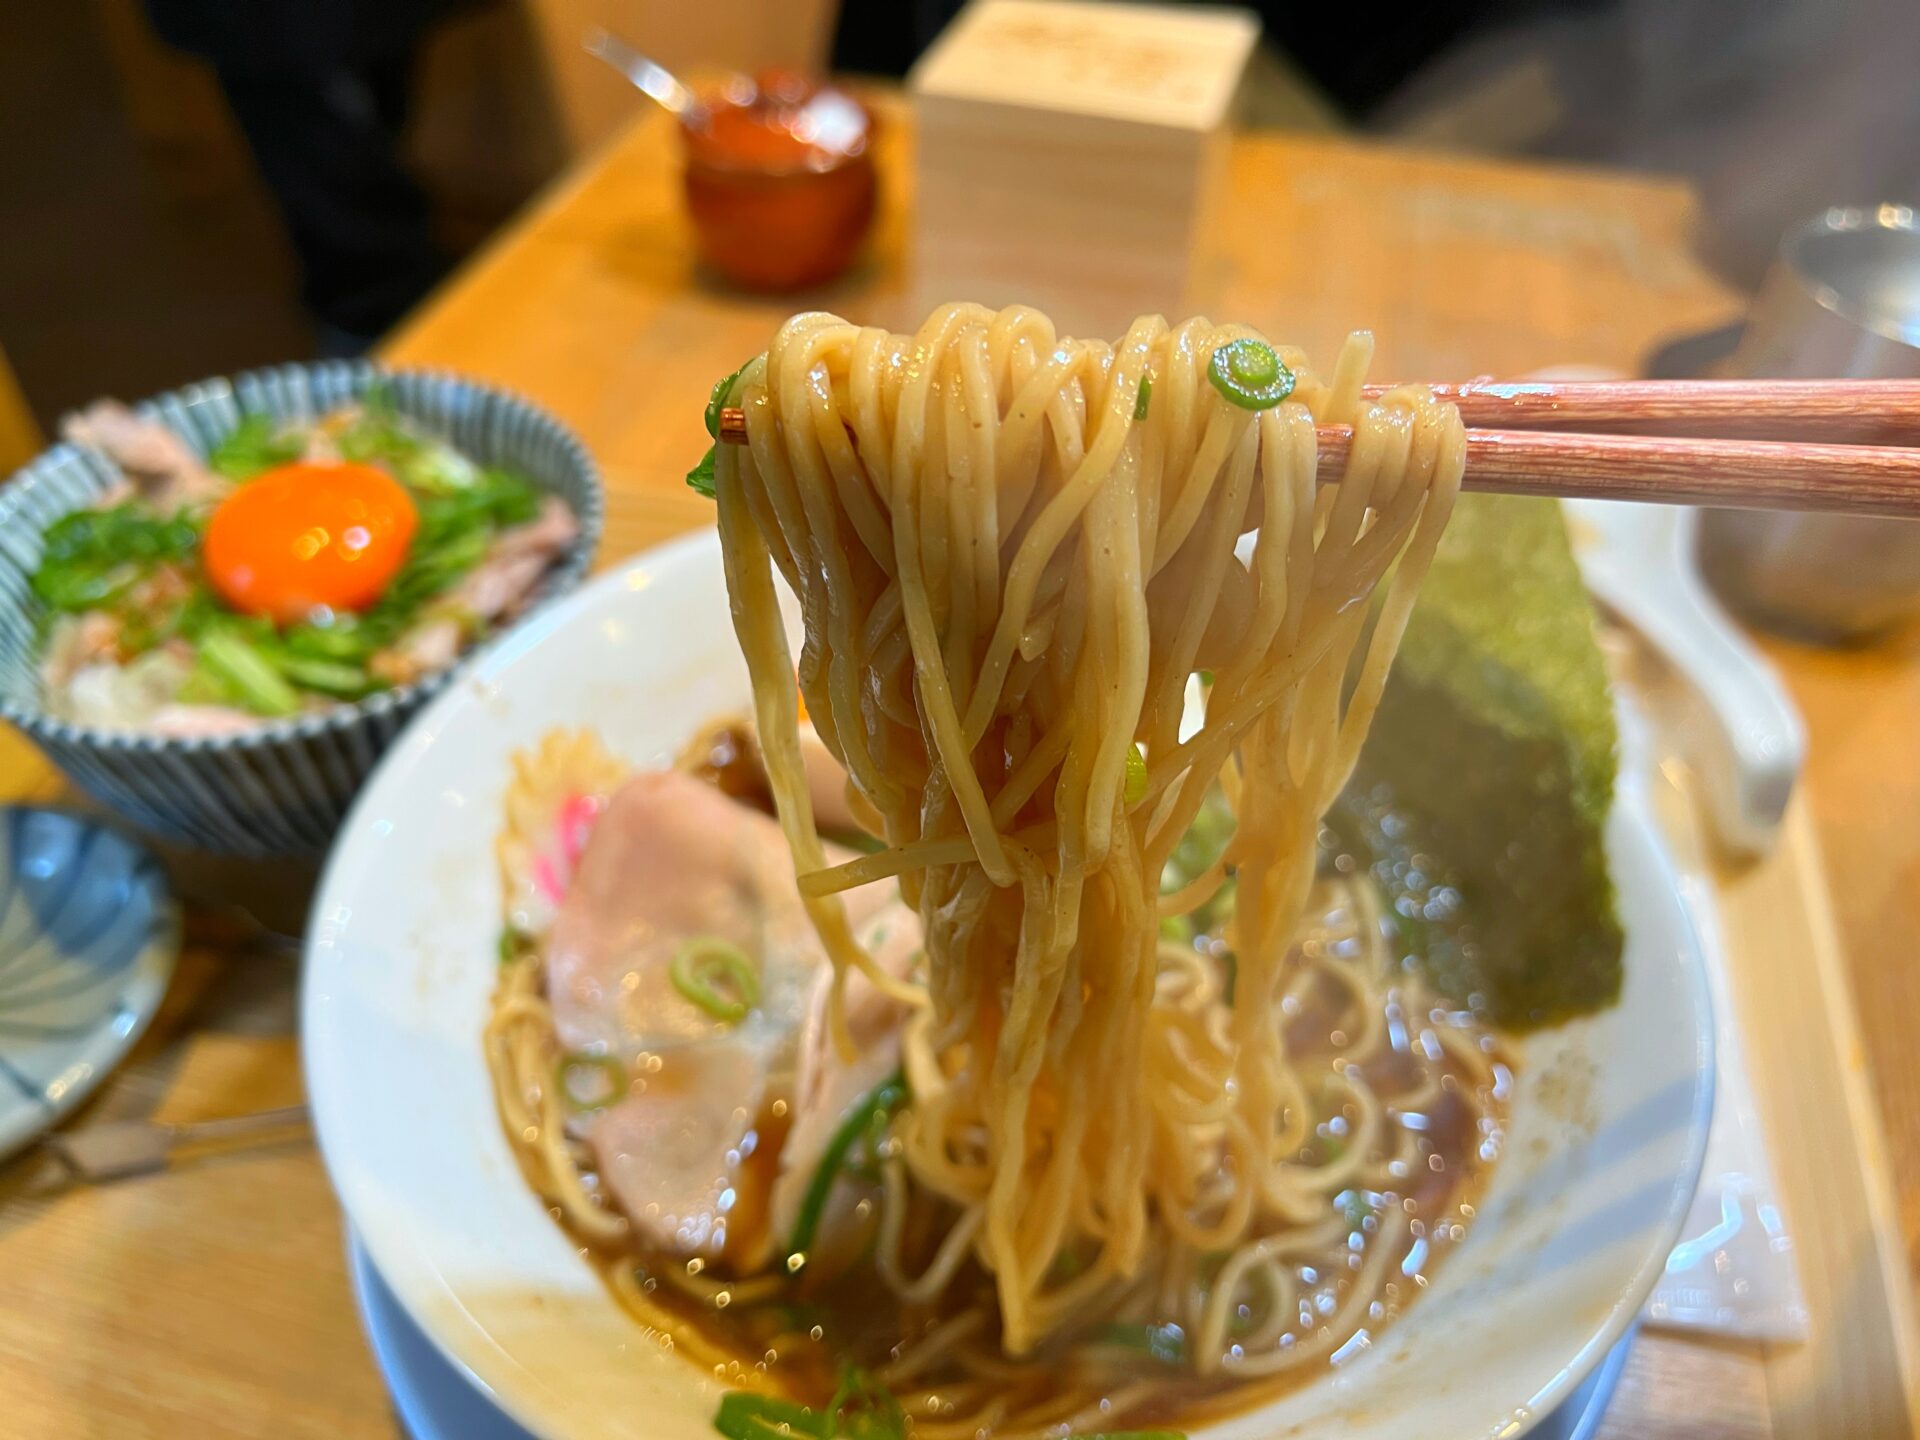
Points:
(1145, 395)
(379, 435)
(868, 1119)
(328, 677)
(1249, 374)
(717, 400)
(248, 673)
(861, 1409)
(1165, 1343)
(255, 445)
(746, 1416)
(91, 558)
(717, 976)
(1355, 1208)
(701, 477)
(864, 1409)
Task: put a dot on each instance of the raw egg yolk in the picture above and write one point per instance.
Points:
(303, 536)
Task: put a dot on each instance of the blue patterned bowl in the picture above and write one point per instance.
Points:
(280, 789)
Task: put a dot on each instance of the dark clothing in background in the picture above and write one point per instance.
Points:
(327, 144)
(320, 89)
(286, 35)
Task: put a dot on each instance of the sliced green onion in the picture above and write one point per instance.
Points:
(329, 677)
(1177, 928)
(864, 1119)
(1136, 787)
(745, 1416)
(252, 678)
(702, 965)
(1230, 963)
(1355, 1208)
(1140, 400)
(1249, 374)
(864, 1409)
(344, 640)
(1165, 1343)
(613, 1073)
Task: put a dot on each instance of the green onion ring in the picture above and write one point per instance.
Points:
(612, 1070)
(702, 964)
(1249, 374)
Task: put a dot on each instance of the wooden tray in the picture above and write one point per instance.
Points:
(1858, 1374)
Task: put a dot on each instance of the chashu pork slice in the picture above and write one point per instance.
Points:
(683, 1152)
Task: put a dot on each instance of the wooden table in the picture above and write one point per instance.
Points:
(212, 1301)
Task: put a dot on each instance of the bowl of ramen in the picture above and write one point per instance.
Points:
(880, 1047)
(221, 606)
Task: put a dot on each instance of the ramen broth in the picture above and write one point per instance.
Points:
(1443, 1078)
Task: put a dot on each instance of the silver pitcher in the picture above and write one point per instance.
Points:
(1841, 301)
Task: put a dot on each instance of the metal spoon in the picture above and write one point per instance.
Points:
(118, 1149)
(653, 81)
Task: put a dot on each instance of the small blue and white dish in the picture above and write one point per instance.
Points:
(282, 787)
(89, 933)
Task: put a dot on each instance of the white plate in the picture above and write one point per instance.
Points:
(1609, 1118)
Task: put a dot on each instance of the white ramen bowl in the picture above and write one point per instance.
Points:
(1609, 1118)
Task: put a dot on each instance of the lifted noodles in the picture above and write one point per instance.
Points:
(1012, 552)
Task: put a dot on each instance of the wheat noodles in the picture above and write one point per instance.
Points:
(1013, 553)
(1058, 568)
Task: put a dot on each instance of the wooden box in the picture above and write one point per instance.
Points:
(1070, 154)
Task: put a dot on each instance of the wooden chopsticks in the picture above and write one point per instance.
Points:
(1675, 470)
(1877, 412)
(1686, 442)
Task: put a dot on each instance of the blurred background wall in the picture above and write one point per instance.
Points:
(140, 246)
